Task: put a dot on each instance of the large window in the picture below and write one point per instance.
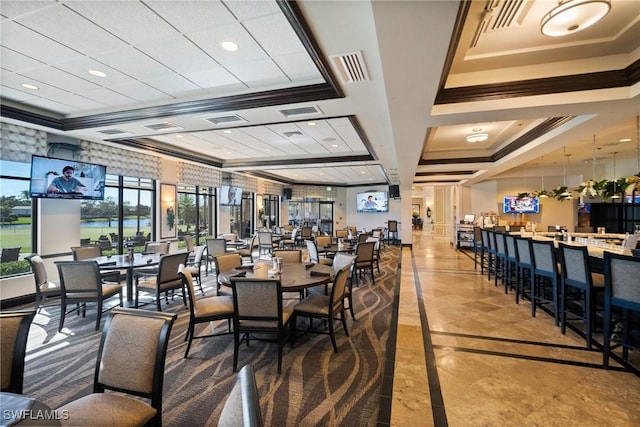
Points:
(15, 213)
(194, 213)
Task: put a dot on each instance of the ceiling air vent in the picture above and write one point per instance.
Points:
(292, 134)
(351, 67)
(163, 127)
(225, 120)
(300, 111)
(498, 15)
(112, 132)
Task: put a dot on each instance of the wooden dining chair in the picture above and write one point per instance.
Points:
(215, 247)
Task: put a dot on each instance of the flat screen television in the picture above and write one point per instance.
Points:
(230, 196)
(525, 205)
(372, 201)
(66, 179)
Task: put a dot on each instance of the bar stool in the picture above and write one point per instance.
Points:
(511, 271)
(500, 258)
(578, 289)
(484, 252)
(525, 268)
(544, 286)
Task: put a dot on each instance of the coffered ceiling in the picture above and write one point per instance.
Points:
(330, 92)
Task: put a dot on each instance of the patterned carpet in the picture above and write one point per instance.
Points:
(317, 387)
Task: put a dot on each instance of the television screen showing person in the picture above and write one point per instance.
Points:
(66, 183)
(370, 204)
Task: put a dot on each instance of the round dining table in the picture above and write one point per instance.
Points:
(294, 277)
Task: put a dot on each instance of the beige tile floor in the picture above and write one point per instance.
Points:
(458, 373)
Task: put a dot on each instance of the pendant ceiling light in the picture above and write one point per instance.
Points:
(543, 193)
(615, 183)
(571, 16)
(477, 137)
(566, 194)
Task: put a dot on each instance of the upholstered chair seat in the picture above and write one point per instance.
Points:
(109, 409)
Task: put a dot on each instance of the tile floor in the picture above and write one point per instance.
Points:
(467, 355)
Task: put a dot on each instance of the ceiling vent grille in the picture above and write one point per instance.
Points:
(223, 120)
(300, 111)
(111, 132)
(501, 14)
(292, 134)
(351, 67)
(163, 127)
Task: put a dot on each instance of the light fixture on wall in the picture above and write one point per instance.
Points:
(477, 137)
(571, 16)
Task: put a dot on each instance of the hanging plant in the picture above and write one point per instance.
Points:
(632, 183)
(613, 188)
(592, 188)
(561, 193)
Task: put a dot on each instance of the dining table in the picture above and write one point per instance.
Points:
(129, 264)
(21, 410)
(334, 248)
(294, 276)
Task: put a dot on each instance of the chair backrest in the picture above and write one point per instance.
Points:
(630, 241)
(313, 251)
(85, 252)
(322, 241)
(134, 335)
(187, 280)
(523, 246)
(230, 237)
(14, 330)
(342, 260)
(306, 233)
(544, 257)
(265, 238)
(338, 290)
(216, 247)
(85, 242)
(114, 237)
(500, 228)
(392, 226)
(39, 269)
(168, 268)
(342, 233)
(363, 237)
(621, 274)
(288, 255)
(242, 408)
(157, 247)
(510, 243)
(377, 233)
(257, 304)
(79, 278)
(485, 238)
(491, 235)
(376, 241)
(477, 235)
(198, 254)
(227, 262)
(575, 265)
(188, 240)
(294, 233)
(364, 251)
(10, 254)
(501, 248)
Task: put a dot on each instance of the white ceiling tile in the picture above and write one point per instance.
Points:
(140, 91)
(107, 96)
(16, 8)
(16, 94)
(190, 16)
(15, 61)
(211, 42)
(66, 27)
(275, 34)
(174, 85)
(258, 73)
(299, 67)
(58, 78)
(214, 79)
(252, 9)
(133, 63)
(49, 105)
(132, 21)
(179, 54)
(41, 48)
(80, 67)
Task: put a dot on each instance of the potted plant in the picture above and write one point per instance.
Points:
(416, 221)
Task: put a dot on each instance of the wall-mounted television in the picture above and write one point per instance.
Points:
(66, 179)
(372, 201)
(230, 196)
(525, 205)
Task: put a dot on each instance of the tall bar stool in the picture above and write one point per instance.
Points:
(544, 286)
(525, 268)
(484, 254)
(511, 270)
(491, 255)
(500, 258)
(478, 253)
(579, 288)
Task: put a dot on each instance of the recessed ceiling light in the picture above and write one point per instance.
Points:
(363, 172)
(268, 150)
(226, 131)
(311, 124)
(230, 46)
(28, 86)
(334, 145)
(477, 137)
(229, 152)
(625, 140)
(97, 73)
(179, 136)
